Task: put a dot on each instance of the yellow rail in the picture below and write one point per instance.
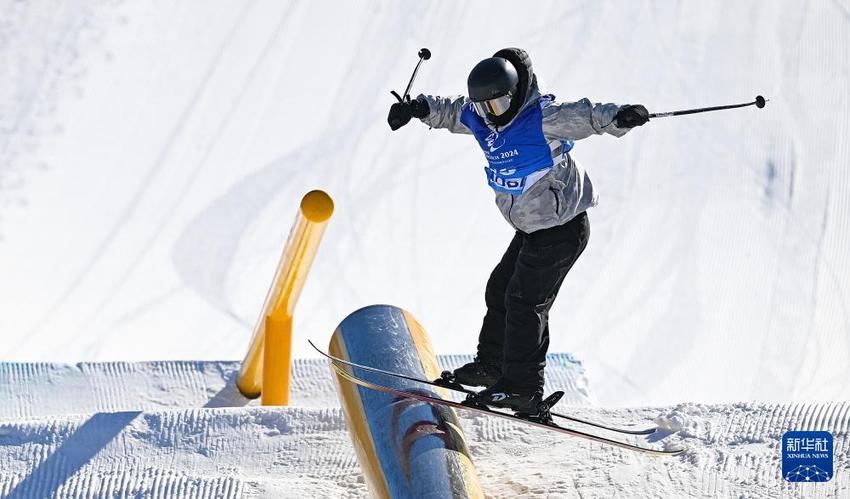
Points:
(265, 369)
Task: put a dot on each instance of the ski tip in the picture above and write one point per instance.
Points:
(315, 347)
(647, 431)
(553, 399)
(675, 451)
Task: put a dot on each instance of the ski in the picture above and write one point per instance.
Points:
(423, 397)
(445, 382)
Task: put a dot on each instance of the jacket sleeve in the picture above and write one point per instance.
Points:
(444, 112)
(581, 119)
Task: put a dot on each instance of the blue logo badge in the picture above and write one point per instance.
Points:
(807, 456)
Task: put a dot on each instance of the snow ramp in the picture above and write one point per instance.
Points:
(306, 452)
(181, 429)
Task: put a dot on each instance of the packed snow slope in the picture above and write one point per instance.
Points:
(152, 155)
(177, 429)
(295, 452)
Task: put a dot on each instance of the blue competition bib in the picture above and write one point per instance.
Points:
(517, 152)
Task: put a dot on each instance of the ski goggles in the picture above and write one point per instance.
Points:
(493, 107)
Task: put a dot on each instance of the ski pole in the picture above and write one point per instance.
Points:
(759, 103)
(424, 55)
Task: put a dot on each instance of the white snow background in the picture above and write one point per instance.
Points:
(152, 156)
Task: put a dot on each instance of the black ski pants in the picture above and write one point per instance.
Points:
(519, 294)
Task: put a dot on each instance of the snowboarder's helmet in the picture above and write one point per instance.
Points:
(492, 83)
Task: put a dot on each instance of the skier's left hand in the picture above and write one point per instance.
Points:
(630, 116)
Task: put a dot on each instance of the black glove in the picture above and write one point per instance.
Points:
(630, 116)
(401, 112)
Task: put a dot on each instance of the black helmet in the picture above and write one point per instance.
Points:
(492, 83)
(490, 78)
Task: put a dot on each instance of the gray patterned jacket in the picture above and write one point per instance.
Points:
(565, 190)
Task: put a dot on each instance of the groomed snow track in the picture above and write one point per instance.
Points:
(142, 429)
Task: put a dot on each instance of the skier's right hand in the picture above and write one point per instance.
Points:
(401, 112)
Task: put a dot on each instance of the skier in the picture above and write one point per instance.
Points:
(542, 193)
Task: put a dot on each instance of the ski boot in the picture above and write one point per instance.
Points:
(475, 373)
(527, 404)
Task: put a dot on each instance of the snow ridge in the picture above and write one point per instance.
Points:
(30, 389)
(299, 452)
